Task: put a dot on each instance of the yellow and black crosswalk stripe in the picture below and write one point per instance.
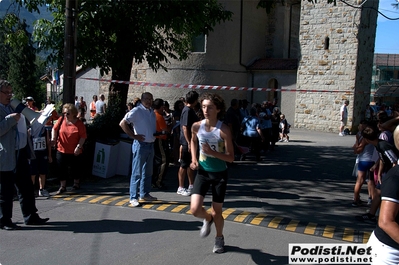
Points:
(230, 214)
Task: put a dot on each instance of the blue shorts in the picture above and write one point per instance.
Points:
(365, 165)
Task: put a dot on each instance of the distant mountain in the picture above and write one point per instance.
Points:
(9, 6)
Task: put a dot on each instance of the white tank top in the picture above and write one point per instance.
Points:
(207, 162)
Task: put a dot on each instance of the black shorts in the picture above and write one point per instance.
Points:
(40, 164)
(185, 157)
(205, 179)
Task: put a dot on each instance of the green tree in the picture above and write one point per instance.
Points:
(22, 68)
(114, 34)
(4, 52)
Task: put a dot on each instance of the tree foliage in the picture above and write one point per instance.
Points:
(18, 61)
(110, 33)
(114, 34)
(4, 52)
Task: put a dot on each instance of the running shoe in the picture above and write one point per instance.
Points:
(206, 228)
(219, 245)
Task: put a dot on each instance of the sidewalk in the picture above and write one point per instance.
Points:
(307, 181)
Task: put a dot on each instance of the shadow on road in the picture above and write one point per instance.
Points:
(120, 226)
(303, 180)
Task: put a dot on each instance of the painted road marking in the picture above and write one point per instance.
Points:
(230, 214)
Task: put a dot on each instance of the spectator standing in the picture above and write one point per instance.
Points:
(265, 125)
(77, 103)
(275, 127)
(284, 129)
(369, 113)
(366, 158)
(136, 102)
(187, 119)
(142, 119)
(14, 167)
(177, 109)
(93, 107)
(130, 106)
(252, 134)
(160, 145)
(82, 108)
(167, 115)
(69, 135)
(213, 138)
(100, 105)
(39, 165)
(244, 109)
(343, 112)
(232, 119)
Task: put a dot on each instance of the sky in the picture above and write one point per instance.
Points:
(387, 39)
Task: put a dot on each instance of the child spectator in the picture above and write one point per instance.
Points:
(42, 149)
(284, 129)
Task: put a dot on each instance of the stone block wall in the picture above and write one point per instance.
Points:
(343, 69)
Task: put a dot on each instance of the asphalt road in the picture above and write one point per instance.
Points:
(304, 186)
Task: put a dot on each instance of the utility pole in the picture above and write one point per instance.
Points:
(69, 87)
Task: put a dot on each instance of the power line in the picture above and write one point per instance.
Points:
(361, 6)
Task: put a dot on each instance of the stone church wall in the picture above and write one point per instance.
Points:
(343, 69)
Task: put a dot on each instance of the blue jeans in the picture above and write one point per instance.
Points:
(142, 163)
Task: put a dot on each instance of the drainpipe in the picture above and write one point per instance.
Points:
(289, 30)
(240, 51)
(241, 22)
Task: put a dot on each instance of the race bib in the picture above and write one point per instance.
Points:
(213, 143)
(39, 143)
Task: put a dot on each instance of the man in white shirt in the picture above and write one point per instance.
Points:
(343, 117)
(100, 105)
(142, 119)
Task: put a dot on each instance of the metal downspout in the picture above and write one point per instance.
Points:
(240, 51)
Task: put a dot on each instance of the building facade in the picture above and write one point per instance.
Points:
(310, 57)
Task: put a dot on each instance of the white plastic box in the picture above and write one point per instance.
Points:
(105, 160)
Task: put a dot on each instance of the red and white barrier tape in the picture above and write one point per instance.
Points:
(210, 87)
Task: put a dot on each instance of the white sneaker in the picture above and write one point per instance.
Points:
(183, 192)
(44, 193)
(206, 228)
(341, 134)
(134, 202)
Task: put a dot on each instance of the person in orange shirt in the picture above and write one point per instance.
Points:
(69, 134)
(160, 145)
(93, 107)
